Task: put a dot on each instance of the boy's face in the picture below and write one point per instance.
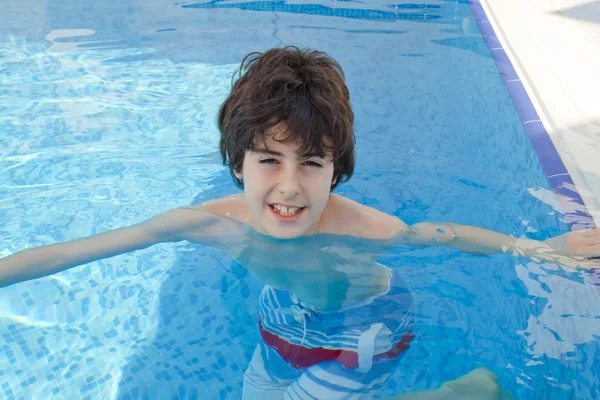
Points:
(286, 192)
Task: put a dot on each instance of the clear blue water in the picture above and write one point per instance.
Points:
(107, 117)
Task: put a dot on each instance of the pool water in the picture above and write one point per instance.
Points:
(107, 117)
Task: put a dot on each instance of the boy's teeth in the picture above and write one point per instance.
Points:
(286, 210)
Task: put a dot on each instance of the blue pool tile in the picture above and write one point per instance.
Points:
(547, 153)
(492, 42)
(181, 391)
(565, 186)
(522, 103)
(507, 72)
(477, 10)
(500, 56)
(111, 334)
(133, 394)
(487, 30)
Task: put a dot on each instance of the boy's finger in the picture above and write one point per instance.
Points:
(592, 236)
(591, 250)
(590, 233)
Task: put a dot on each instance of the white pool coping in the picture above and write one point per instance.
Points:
(554, 45)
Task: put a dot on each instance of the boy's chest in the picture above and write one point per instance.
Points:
(325, 273)
(304, 253)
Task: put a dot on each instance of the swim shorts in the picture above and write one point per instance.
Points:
(328, 355)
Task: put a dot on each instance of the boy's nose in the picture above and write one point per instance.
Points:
(289, 183)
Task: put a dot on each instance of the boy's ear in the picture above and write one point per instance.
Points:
(238, 174)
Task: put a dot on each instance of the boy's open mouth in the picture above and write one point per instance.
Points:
(285, 212)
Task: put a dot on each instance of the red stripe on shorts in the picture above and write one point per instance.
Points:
(301, 357)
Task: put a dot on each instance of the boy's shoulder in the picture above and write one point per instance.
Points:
(232, 207)
(343, 216)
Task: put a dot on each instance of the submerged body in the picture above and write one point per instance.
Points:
(329, 312)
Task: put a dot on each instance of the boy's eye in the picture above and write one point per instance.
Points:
(268, 161)
(274, 161)
(313, 164)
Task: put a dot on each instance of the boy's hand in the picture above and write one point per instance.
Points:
(576, 244)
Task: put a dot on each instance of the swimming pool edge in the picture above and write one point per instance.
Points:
(576, 214)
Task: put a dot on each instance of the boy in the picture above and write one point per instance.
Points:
(333, 321)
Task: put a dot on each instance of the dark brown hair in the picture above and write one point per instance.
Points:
(305, 89)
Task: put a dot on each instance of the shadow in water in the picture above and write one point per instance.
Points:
(205, 335)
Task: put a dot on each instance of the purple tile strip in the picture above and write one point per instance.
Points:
(576, 213)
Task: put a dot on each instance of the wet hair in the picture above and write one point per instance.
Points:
(304, 89)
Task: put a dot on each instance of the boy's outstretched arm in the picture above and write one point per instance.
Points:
(46, 260)
(573, 249)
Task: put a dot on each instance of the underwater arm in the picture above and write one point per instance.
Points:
(46, 260)
(569, 250)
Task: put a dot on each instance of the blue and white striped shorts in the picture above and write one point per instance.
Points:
(306, 354)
